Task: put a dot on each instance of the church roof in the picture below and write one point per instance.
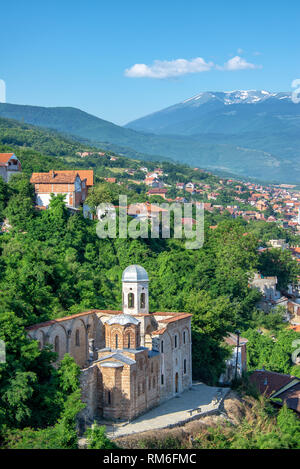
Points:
(117, 356)
(111, 364)
(135, 273)
(123, 319)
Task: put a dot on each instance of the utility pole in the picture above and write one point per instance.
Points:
(237, 352)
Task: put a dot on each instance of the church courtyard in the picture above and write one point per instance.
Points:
(197, 402)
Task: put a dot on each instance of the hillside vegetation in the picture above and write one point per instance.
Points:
(53, 264)
(264, 154)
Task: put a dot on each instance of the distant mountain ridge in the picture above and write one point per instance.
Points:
(248, 133)
(223, 112)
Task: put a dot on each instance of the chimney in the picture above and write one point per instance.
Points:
(52, 173)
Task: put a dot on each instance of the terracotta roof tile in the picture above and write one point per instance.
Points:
(87, 174)
(160, 331)
(54, 177)
(72, 316)
(174, 317)
(61, 177)
(4, 157)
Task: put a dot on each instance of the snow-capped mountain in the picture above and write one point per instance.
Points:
(244, 131)
(210, 111)
(235, 97)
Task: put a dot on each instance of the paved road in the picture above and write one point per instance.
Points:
(198, 401)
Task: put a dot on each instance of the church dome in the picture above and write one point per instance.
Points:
(122, 319)
(135, 273)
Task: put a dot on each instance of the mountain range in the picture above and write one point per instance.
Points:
(247, 133)
(229, 112)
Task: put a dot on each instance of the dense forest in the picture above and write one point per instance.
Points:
(53, 264)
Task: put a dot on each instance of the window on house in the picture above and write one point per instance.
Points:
(56, 344)
(143, 300)
(184, 337)
(154, 381)
(130, 300)
(162, 379)
(151, 367)
(175, 339)
(184, 366)
(77, 339)
(149, 385)
(162, 346)
(128, 340)
(109, 397)
(117, 341)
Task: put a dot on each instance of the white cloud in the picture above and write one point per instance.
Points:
(240, 51)
(168, 69)
(238, 63)
(174, 68)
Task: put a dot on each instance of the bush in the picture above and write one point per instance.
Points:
(97, 439)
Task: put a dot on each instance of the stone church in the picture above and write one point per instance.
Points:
(130, 360)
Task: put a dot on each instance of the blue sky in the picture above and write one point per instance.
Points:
(89, 54)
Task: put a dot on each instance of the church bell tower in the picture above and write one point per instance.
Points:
(135, 288)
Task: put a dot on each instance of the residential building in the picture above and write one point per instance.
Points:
(9, 165)
(236, 365)
(73, 184)
(280, 388)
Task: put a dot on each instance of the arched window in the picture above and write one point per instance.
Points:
(116, 341)
(175, 341)
(56, 344)
(77, 339)
(184, 337)
(143, 300)
(128, 340)
(162, 379)
(184, 366)
(154, 381)
(130, 300)
(162, 346)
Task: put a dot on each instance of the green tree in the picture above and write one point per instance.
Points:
(19, 211)
(97, 439)
(279, 263)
